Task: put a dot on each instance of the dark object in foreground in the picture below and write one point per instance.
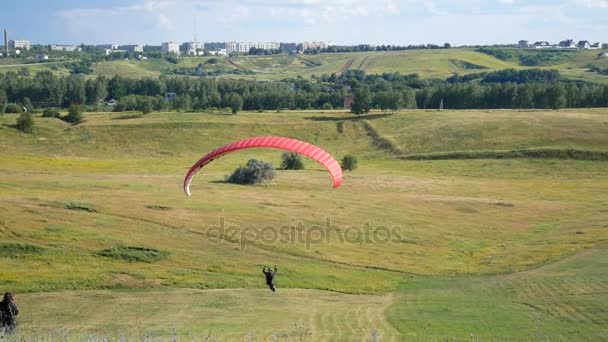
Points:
(270, 277)
(8, 313)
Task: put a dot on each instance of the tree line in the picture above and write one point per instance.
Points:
(391, 91)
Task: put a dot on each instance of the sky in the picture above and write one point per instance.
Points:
(404, 22)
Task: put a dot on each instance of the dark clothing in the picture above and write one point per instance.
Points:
(8, 315)
(270, 277)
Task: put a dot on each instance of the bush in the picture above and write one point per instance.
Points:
(349, 162)
(25, 123)
(327, 106)
(74, 115)
(134, 254)
(13, 250)
(255, 172)
(50, 113)
(292, 161)
(12, 108)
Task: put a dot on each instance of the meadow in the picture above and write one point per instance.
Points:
(97, 237)
(441, 64)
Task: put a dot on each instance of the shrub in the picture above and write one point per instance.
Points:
(254, 172)
(134, 254)
(74, 115)
(349, 162)
(327, 106)
(340, 126)
(12, 108)
(50, 113)
(292, 161)
(25, 123)
(146, 107)
(74, 206)
(13, 250)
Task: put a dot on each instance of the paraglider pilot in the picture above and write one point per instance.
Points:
(270, 277)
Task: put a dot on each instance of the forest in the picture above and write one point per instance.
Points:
(532, 88)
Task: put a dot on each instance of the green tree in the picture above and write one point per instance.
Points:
(12, 108)
(25, 123)
(556, 96)
(27, 103)
(235, 102)
(362, 100)
(409, 99)
(50, 113)
(292, 161)
(349, 162)
(74, 115)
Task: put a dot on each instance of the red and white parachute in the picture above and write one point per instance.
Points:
(311, 151)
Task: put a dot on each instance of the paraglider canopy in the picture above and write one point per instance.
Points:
(311, 151)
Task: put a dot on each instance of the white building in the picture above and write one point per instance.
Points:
(131, 48)
(19, 44)
(568, 44)
(584, 44)
(107, 46)
(220, 52)
(542, 45)
(193, 48)
(231, 47)
(596, 46)
(170, 47)
(66, 48)
(315, 45)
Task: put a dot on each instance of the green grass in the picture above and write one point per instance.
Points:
(426, 63)
(461, 230)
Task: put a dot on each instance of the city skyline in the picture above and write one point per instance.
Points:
(340, 21)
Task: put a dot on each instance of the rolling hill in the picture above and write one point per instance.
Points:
(94, 227)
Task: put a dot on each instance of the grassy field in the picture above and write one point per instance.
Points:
(426, 63)
(423, 250)
(439, 63)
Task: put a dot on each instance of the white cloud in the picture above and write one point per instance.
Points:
(594, 3)
(352, 21)
(165, 22)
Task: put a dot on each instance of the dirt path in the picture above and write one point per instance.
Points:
(231, 62)
(308, 62)
(346, 66)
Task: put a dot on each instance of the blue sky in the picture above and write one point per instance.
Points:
(341, 21)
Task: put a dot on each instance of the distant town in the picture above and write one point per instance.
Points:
(190, 48)
(15, 47)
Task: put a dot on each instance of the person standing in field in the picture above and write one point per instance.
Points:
(270, 277)
(8, 312)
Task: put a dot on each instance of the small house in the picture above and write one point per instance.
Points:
(542, 45)
(584, 44)
(568, 44)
